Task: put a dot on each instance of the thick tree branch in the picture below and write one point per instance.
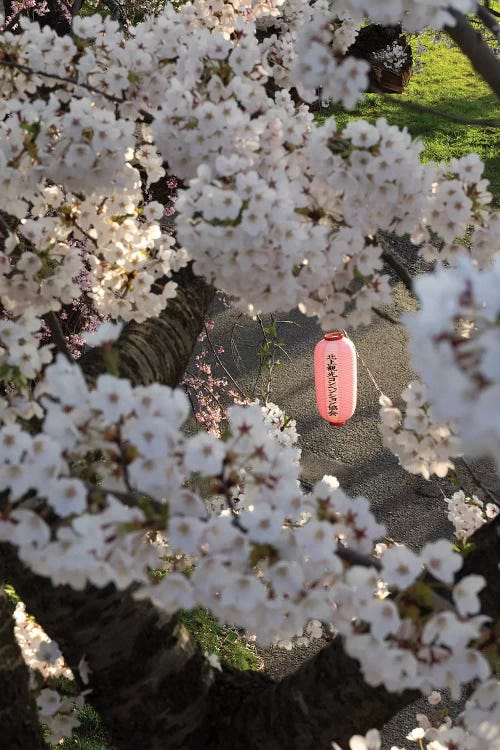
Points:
(149, 681)
(475, 48)
(153, 687)
(485, 560)
(398, 268)
(158, 350)
(489, 18)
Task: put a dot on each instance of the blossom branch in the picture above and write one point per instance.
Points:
(27, 70)
(222, 365)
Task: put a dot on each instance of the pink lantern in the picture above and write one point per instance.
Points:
(335, 375)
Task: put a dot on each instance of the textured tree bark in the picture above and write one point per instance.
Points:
(326, 700)
(149, 681)
(158, 350)
(154, 689)
(19, 727)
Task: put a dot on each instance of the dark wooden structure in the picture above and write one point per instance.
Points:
(374, 38)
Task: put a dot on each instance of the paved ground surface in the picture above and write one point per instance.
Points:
(411, 508)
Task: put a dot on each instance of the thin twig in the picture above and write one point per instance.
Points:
(4, 227)
(222, 365)
(208, 391)
(57, 334)
(386, 316)
(130, 499)
(64, 79)
(399, 269)
(117, 11)
(356, 558)
(271, 366)
(147, 117)
(75, 8)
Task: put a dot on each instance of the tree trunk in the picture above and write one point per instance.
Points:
(19, 726)
(149, 681)
(158, 350)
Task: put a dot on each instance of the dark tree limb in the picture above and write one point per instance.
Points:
(475, 48)
(158, 350)
(400, 270)
(149, 681)
(154, 688)
(485, 560)
(489, 17)
(19, 725)
(58, 339)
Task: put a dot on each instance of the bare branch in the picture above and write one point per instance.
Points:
(385, 316)
(56, 332)
(399, 269)
(487, 16)
(475, 48)
(73, 81)
(76, 7)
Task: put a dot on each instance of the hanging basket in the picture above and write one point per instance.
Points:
(388, 81)
(370, 42)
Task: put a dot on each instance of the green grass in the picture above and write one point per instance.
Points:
(90, 735)
(221, 640)
(447, 83)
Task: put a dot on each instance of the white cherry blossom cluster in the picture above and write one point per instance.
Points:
(458, 206)
(268, 563)
(423, 641)
(46, 664)
(266, 569)
(112, 487)
(455, 347)
(414, 14)
(225, 16)
(422, 443)
(475, 728)
(320, 64)
(468, 514)
(264, 181)
(393, 57)
(21, 355)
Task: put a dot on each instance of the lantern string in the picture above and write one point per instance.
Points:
(370, 375)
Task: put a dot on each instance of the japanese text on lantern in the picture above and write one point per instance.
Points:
(332, 376)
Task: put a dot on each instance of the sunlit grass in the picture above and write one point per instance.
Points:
(449, 84)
